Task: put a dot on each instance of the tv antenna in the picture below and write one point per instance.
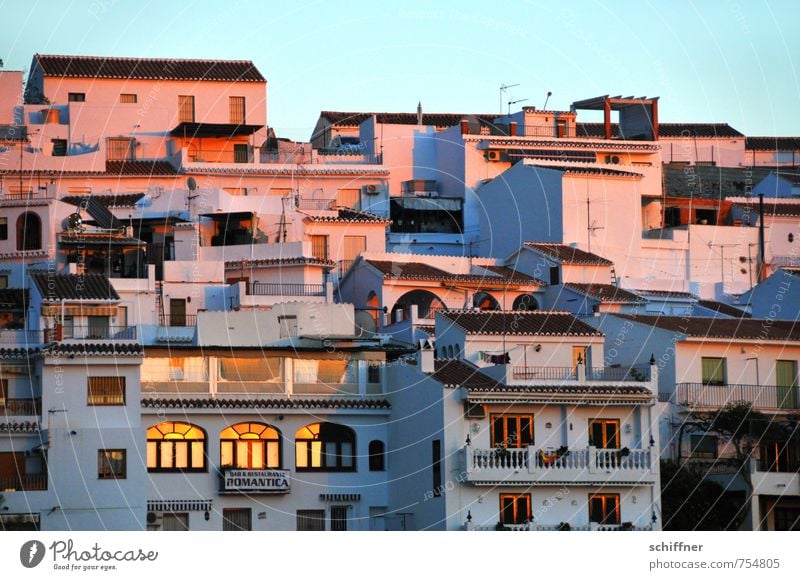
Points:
(191, 183)
(514, 103)
(503, 89)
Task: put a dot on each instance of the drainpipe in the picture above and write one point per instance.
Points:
(761, 254)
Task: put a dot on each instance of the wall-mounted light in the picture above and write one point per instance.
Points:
(634, 499)
(207, 515)
(628, 428)
(548, 425)
(537, 348)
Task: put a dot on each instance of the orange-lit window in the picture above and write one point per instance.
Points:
(186, 108)
(250, 446)
(174, 446)
(604, 509)
(106, 391)
(515, 508)
(604, 433)
(128, 98)
(325, 447)
(237, 110)
(111, 464)
(512, 430)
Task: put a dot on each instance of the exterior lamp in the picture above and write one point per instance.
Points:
(207, 515)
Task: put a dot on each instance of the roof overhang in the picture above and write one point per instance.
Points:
(200, 130)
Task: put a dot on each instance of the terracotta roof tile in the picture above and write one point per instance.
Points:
(148, 68)
(20, 426)
(459, 373)
(568, 255)
(354, 119)
(773, 208)
(89, 348)
(421, 271)
(724, 328)
(56, 287)
(285, 403)
(523, 322)
(118, 200)
(665, 293)
(605, 292)
(140, 168)
(722, 308)
(267, 262)
(346, 216)
(772, 143)
(18, 353)
(718, 130)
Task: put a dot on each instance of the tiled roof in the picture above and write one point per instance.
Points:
(722, 308)
(293, 403)
(13, 298)
(95, 238)
(665, 293)
(773, 208)
(56, 287)
(118, 200)
(140, 168)
(791, 270)
(95, 349)
(524, 322)
(669, 130)
(354, 119)
(148, 68)
(267, 262)
(347, 216)
(421, 271)
(589, 170)
(17, 353)
(459, 373)
(568, 254)
(20, 426)
(772, 143)
(605, 292)
(725, 328)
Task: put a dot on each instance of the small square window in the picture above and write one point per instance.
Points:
(106, 391)
(703, 446)
(111, 464)
(128, 98)
(76, 97)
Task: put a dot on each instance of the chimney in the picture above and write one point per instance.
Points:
(419, 113)
(464, 127)
(425, 357)
(512, 129)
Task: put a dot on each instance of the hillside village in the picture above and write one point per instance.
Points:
(411, 321)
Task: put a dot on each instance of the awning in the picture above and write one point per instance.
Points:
(429, 203)
(230, 216)
(80, 310)
(213, 130)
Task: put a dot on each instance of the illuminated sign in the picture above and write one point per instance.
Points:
(255, 481)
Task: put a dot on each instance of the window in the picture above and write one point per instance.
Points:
(377, 458)
(128, 98)
(374, 373)
(240, 369)
(120, 148)
(348, 197)
(515, 508)
(3, 392)
(29, 232)
(714, 371)
(604, 433)
(703, 446)
(604, 509)
(512, 430)
(185, 109)
(76, 97)
(237, 110)
(98, 327)
(250, 446)
(780, 456)
(555, 277)
(287, 326)
(3, 280)
(436, 466)
(319, 247)
(580, 356)
(787, 519)
(310, 520)
(241, 153)
(106, 391)
(111, 464)
(237, 520)
(174, 446)
(175, 522)
(525, 302)
(59, 147)
(3, 228)
(325, 447)
(353, 246)
(339, 518)
(786, 383)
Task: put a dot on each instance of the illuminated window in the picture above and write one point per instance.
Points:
(604, 433)
(325, 447)
(515, 508)
(604, 509)
(173, 446)
(512, 430)
(128, 98)
(250, 446)
(106, 391)
(236, 105)
(111, 464)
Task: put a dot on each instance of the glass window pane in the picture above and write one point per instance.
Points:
(257, 455)
(242, 454)
(226, 453)
(347, 455)
(181, 454)
(301, 453)
(316, 454)
(273, 454)
(152, 457)
(166, 454)
(198, 461)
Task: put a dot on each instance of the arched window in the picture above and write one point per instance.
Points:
(173, 446)
(250, 446)
(458, 351)
(525, 302)
(427, 303)
(485, 301)
(29, 232)
(377, 459)
(325, 447)
(450, 351)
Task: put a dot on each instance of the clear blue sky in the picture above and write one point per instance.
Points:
(714, 61)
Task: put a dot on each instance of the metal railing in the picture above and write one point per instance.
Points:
(767, 397)
(315, 204)
(20, 407)
(624, 374)
(60, 333)
(544, 373)
(547, 131)
(23, 483)
(276, 289)
(20, 337)
(178, 320)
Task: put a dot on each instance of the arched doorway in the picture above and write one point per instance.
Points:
(29, 232)
(485, 301)
(427, 304)
(526, 302)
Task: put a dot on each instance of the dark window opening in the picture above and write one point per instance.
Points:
(421, 215)
(76, 97)
(377, 456)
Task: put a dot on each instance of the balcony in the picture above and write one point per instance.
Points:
(20, 408)
(321, 157)
(761, 397)
(581, 374)
(288, 290)
(20, 338)
(11, 483)
(88, 332)
(579, 466)
(590, 527)
(178, 320)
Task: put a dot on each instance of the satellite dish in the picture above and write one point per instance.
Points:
(191, 184)
(74, 221)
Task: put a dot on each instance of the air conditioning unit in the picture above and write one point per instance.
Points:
(154, 520)
(371, 189)
(474, 411)
(495, 155)
(612, 159)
